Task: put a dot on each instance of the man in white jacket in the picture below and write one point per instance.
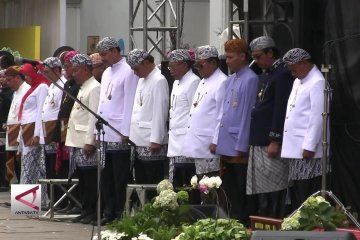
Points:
(148, 128)
(205, 113)
(80, 136)
(181, 169)
(303, 125)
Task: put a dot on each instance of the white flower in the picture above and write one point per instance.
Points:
(164, 185)
(178, 236)
(291, 223)
(110, 235)
(142, 237)
(166, 199)
(212, 182)
(204, 181)
(194, 181)
(217, 181)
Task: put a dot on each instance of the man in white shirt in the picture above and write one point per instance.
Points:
(148, 120)
(303, 126)
(117, 94)
(181, 169)
(50, 111)
(205, 113)
(15, 80)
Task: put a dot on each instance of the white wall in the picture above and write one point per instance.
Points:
(73, 27)
(47, 14)
(111, 18)
(103, 18)
(196, 22)
(203, 18)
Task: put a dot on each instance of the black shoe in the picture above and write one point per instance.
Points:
(74, 210)
(65, 209)
(106, 220)
(103, 221)
(88, 219)
(78, 218)
(94, 222)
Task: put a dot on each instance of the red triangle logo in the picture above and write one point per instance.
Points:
(30, 204)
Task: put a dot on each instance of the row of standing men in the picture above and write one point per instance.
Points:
(260, 133)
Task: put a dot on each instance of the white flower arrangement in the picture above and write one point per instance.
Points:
(142, 237)
(110, 235)
(206, 183)
(166, 199)
(315, 212)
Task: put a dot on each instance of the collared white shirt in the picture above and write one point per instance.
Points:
(181, 99)
(52, 102)
(150, 111)
(14, 110)
(118, 87)
(32, 110)
(205, 114)
(304, 122)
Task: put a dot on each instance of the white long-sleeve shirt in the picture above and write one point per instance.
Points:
(304, 122)
(52, 102)
(32, 110)
(205, 114)
(118, 87)
(150, 111)
(181, 100)
(14, 111)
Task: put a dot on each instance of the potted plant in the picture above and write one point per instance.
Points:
(219, 229)
(315, 212)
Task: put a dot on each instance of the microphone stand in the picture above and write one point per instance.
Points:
(325, 69)
(99, 126)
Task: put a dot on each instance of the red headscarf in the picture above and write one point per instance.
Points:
(36, 80)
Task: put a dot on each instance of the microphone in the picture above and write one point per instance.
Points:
(252, 63)
(20, 61)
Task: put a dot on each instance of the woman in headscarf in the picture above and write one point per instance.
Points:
(33, 156)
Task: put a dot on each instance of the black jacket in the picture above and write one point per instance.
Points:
(268, 114)
(65, 108)
(6, 95)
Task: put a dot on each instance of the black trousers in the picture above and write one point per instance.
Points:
(234, 184)
(149, 172)
(302, 189)
(3, 182)
(183, 174)
(272, 204)
(114, 179)
(88, 189)
(50, 159)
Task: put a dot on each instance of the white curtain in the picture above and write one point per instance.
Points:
(44, 13)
